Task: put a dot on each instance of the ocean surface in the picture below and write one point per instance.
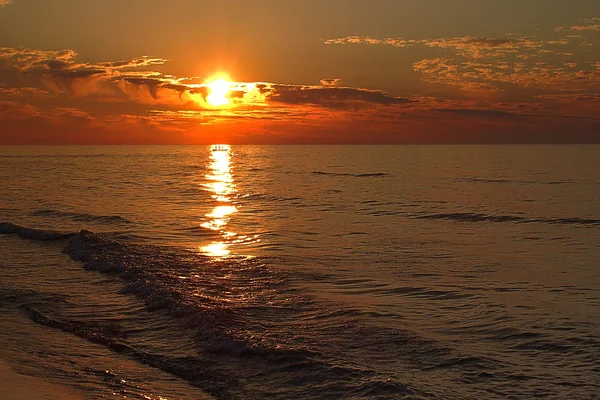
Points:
(303, 272)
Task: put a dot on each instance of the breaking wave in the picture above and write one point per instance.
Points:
(475, 217)
(30, 233)
(255, 335)
(356, 175)
(83, 217)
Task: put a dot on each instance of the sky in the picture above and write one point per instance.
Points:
(299, 72)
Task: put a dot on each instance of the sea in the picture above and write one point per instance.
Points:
(303, 272)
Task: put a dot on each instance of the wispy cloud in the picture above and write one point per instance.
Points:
(472, 47)
(494, 77)
(587, 24)
(17, 111)
(586, 27)
(5, 2)
(331, 82)
(493, 65)
(370, 40)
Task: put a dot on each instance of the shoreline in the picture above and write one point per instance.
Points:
(16, 386)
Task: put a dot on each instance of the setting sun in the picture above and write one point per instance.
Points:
(219, 90)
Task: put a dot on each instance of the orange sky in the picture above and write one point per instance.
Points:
(380, 71)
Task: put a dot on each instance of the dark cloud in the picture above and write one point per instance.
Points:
(77, 73)
(487, 113)
(56, 64)
(151, 83)
(571, 97)
(237, 94)
(202, 90)
(60, 73)
(334, 97)
(263, 88)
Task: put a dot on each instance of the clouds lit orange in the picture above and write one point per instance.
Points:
(388, 84)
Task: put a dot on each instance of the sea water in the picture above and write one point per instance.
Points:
(303, 272)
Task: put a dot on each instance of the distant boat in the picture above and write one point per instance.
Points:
(219, 147)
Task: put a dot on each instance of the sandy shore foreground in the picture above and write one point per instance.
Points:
(21, 387)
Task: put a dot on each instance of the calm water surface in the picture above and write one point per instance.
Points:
(308, 272)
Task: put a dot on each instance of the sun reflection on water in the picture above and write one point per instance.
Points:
(222, 187)
(217, 249)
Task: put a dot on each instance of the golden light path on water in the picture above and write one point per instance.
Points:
(222, 188)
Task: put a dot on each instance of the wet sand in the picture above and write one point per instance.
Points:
(15, 386)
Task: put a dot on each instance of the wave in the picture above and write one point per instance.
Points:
(572, 221)
(363, 175)
(98, 332)
(271, 198)
(253, 330)
(111, 336)
(476, 217)
(332, 381)
(83, 217)
(476, 179)
(485, 180)
(30, 233)
(473, 217)
(211, 300)
(250, 332)
(197, 231)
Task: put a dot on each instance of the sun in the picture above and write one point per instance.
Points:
(218, 92)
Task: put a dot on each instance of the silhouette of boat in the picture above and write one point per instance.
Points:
(219, 147)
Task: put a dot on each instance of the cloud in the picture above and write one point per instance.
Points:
(370, 40)
(126, 94)
(489, 65)
(72, 113)
(5, 2)
(59, 73)
(49, 96)
(17, 111)
(586, 27)
(468, 46)
(474, 78)
(22, 91)
(586, 24)
(62, 62)
(134, 63)
(489, 113)
(329, 96)
(571, 97)
(55, 60)
(478, 48)
(492, 66)
(494, 77)
(330, 82)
